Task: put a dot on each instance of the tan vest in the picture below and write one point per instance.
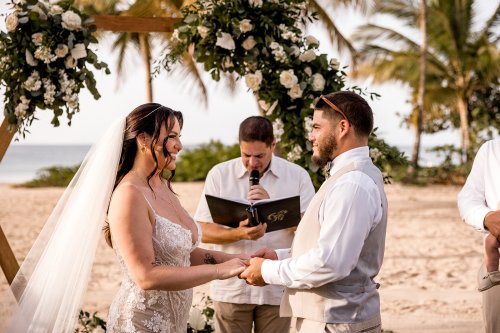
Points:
(354, 298)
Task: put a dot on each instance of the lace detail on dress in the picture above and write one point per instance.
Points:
(135, 310)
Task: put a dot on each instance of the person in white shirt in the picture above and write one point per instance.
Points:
(239, 306)
(478, 205)
(339, 244)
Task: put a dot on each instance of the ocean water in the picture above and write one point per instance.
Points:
(22, 162)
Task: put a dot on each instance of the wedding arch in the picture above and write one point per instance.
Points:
(260, 42)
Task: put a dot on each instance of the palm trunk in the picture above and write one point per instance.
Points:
(464, 126)
(421, 84)
(146, 57)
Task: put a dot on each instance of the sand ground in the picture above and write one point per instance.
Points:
(427, 280)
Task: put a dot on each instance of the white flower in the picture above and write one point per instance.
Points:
(312, 41)
(29, 58)
(227, 63)
(71, 100)
(71, 20)
(308, 126)
(334, 63)
(19, 2)
(33, 82)
(375, 154)
(255, 3)
(278, 52)
(11, 22)
(295, 92)
(79, 51)
(278, 129)
(21, 108)
(318, 82)
(61, 50)
(40, 12)
(203, 31)
(225, 41)
(295, 51)
(295, 153)
(249, 43)
(196, 319)
(245, 25)
(307, 56)
(308, 71)
(43, 53)
(37, 38)
(288, 78)
(254, 80)
(55, 10)
(70, 62)
(175, 34)
(98, 330)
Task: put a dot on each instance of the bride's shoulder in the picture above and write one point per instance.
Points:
(129, 194)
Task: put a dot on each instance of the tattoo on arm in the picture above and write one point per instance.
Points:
(209, 259)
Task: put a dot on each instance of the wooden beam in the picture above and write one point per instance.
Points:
(134, 23)
(8, 261)
(5, 137)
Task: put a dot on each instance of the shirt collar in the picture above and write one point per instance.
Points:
(349, 156)
(273, 168)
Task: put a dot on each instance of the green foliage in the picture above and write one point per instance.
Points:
(90, 323)
(194, 164)
(53, 176)
(44, 59)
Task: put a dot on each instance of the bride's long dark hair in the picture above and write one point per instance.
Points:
(147, 118)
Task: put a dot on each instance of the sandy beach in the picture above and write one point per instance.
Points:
(427, 280)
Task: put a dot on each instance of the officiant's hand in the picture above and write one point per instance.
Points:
(252, 274)
(257, 192)
(265, 253)
(492, 223)
(251, 233)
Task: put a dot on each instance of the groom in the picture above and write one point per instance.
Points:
(339, 244)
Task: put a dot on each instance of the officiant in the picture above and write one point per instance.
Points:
(239, 306)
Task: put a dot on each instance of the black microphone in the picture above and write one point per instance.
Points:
(254, 177)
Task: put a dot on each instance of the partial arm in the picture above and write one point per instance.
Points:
(217, 234)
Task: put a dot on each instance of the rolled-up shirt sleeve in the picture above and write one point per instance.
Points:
(347, 215)
(472, 198)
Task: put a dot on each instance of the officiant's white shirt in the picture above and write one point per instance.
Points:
(230, 180)
(481, 192)
(350, 210)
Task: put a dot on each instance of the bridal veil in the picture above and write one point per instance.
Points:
(52, 280)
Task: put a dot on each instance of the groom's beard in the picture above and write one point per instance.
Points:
(325, 152)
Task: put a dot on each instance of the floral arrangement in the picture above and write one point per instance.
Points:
(201, 319)
(263, 43)
(44, 57)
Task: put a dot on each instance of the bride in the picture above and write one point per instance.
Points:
(154, 238)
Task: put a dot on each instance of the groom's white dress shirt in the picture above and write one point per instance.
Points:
(349, 212)
(481, 192)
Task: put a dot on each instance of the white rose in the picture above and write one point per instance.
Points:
(61, 50)
(312, 41)
(307, 56)
(70, 62)
(295, 51)
(288, 78)
(254, 80)
(308, 71)
(334, 63)
(71, 20)
(249, 43)
(245, 25)
(295, 92)
(37, 38)
(225, 41)
(318, 82)
(196, 320)
(30, 59)
(40, 12)
(203, 31)
(11, 22)
(55, 10)
(79, 51)
(255, 3)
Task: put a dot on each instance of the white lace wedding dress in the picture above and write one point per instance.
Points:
(136, 310)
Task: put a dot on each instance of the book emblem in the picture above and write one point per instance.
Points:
(277, 216)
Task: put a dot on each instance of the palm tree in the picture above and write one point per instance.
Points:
(461, 60)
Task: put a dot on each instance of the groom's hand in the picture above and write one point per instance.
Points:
(252, 274)
(265, 253)
(492, 223)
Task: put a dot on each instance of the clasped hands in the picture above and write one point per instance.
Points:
(253, 274)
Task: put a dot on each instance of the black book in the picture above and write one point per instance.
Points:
(278, 214)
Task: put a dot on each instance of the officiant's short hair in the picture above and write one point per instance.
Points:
(256, 128)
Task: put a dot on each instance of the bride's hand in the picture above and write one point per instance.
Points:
(230, 268)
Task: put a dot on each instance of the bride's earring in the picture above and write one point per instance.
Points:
(143, 149)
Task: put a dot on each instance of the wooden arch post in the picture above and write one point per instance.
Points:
(8, 261)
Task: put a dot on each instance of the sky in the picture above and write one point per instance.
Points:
(221, 118)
